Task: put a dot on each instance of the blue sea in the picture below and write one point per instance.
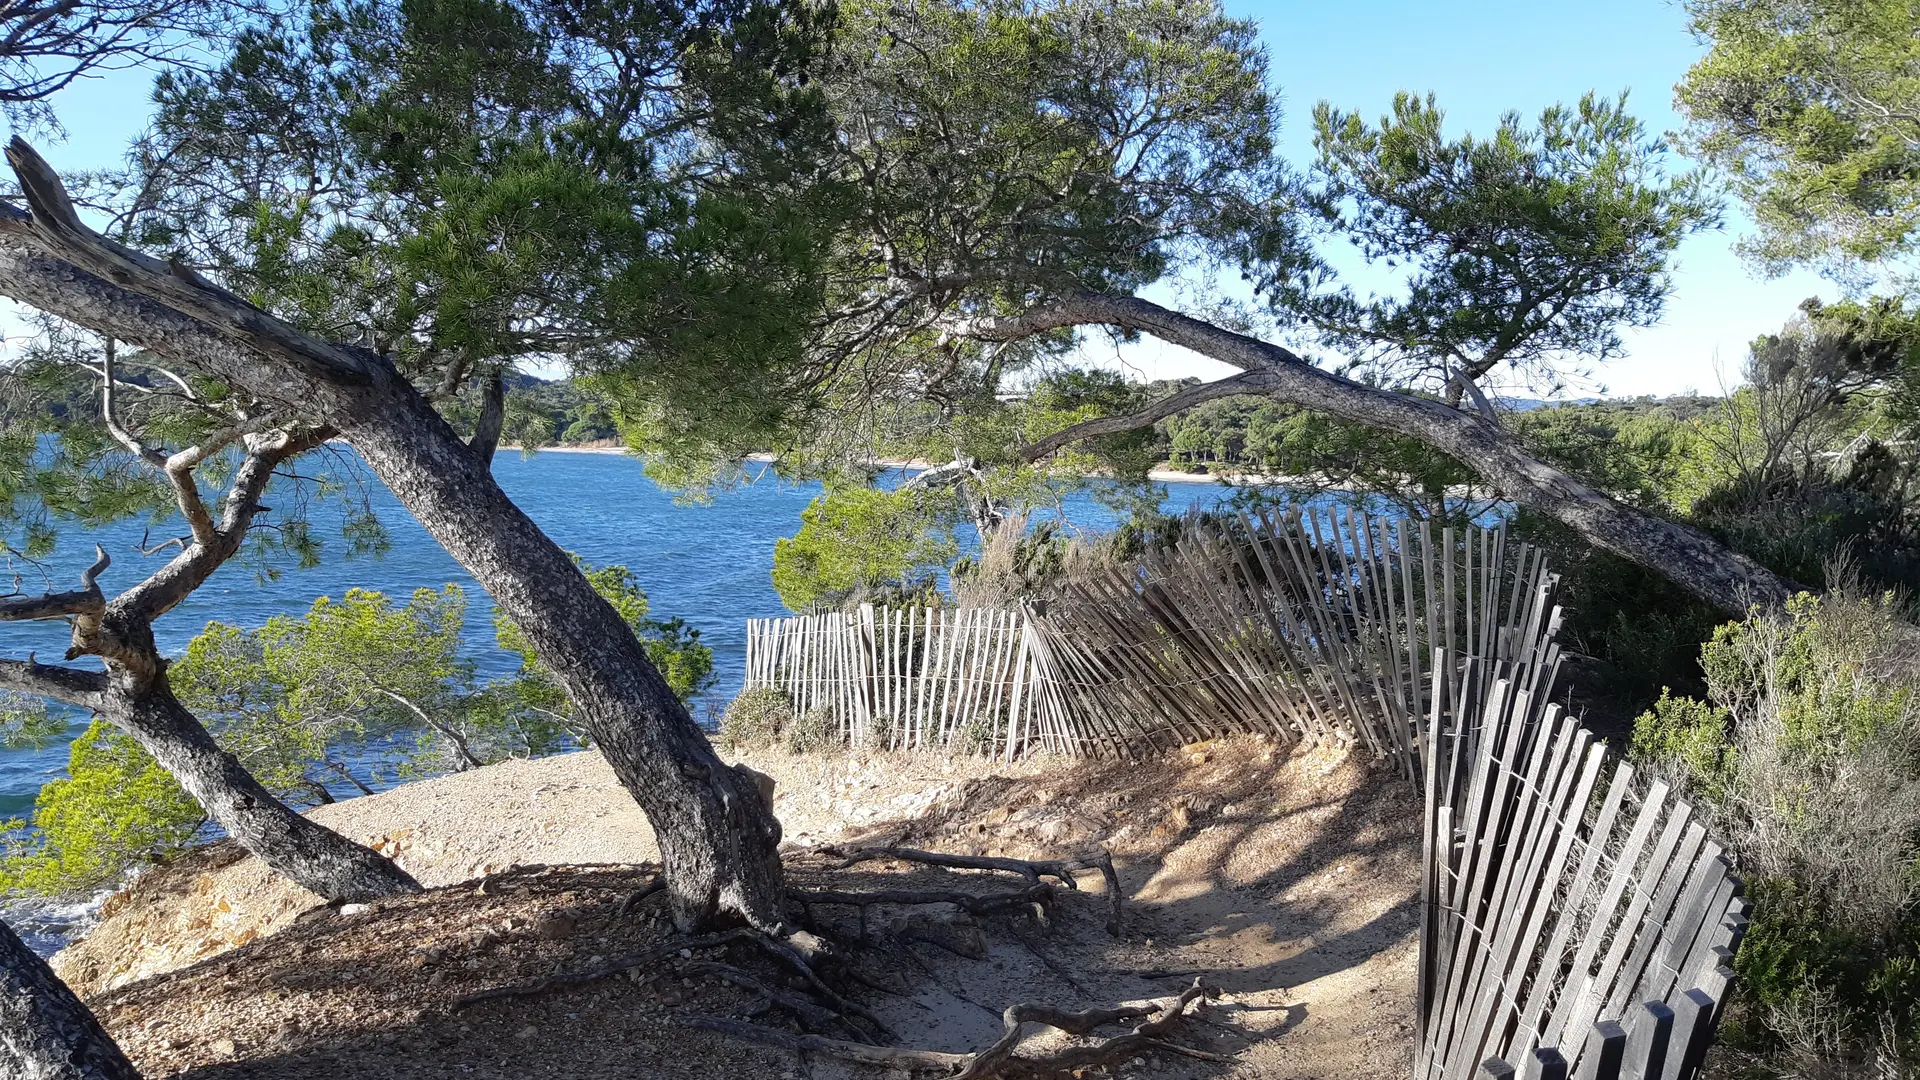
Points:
(707, 562)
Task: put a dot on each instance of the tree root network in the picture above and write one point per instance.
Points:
(838, 1027)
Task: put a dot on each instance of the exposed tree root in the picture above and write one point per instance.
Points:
(886, 1056)
(617, 967)
(809, 1013)
(825, 1014)
(999, 1059)
(837, 1010)
(972, 903)
(637, 896)
(1061, 870)
(1064, 973)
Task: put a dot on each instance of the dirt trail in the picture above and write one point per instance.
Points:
(1290, 880)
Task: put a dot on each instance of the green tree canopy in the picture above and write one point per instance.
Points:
(1526, 251)
(1021, 171)
(855, 542)
(1812, 107)
(468, 184)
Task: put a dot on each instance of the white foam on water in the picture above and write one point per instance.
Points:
(48, 924)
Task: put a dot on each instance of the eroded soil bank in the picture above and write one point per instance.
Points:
(1289, 879)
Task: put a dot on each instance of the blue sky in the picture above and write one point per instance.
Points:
(1480, 59)
(1484, 58)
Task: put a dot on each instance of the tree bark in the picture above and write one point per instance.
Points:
(306, 852)
(140, 703)
(1690, 558)
(134, 694)
(46, 1031)
(493, 418)
(718, 838)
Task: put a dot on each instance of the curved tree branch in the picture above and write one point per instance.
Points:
(73, 686)
(1687, 556)
(220, 541)
(718, 837)
(55, 227)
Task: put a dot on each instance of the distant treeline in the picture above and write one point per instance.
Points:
(1249, 435)
(542, 412)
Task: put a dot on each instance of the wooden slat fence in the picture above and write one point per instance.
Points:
(915, 678)
(1300, 625)
(1578, 920)
(1296, 625)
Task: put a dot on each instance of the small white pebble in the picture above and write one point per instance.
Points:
(355, 909)
(686, 954)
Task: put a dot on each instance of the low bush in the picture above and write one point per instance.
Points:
(756, 717)
(976, 737)
(115, 810)
(1806, 757)
(812, 732)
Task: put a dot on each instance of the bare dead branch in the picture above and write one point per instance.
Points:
(53, 227)
(468, 760)
(887, 1056)
(109, 414)
(816, 1016)
(86, 601)
(1685, 555)
(971, 903)
(999, 1059)
(187, 571)
(1061, 870)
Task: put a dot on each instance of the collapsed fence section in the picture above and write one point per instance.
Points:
(1301, 625)
(1578, 919)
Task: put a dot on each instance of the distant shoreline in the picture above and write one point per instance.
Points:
(1165, 476)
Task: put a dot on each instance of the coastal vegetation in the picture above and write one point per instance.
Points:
(844, 235)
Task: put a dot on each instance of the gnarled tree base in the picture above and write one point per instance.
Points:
(807, 965)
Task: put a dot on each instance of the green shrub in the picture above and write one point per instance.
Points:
(859, 542)
(880, 731)
(1806, 759)
(974, 737)
(812, 732)
(1690, 736)
(116, 808)
(756, 717)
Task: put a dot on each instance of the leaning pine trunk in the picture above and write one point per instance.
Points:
(46, 1032)
(310, 854)
(718, 838)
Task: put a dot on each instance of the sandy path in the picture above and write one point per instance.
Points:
(1290, 879)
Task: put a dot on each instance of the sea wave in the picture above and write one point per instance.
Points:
(49, 924)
